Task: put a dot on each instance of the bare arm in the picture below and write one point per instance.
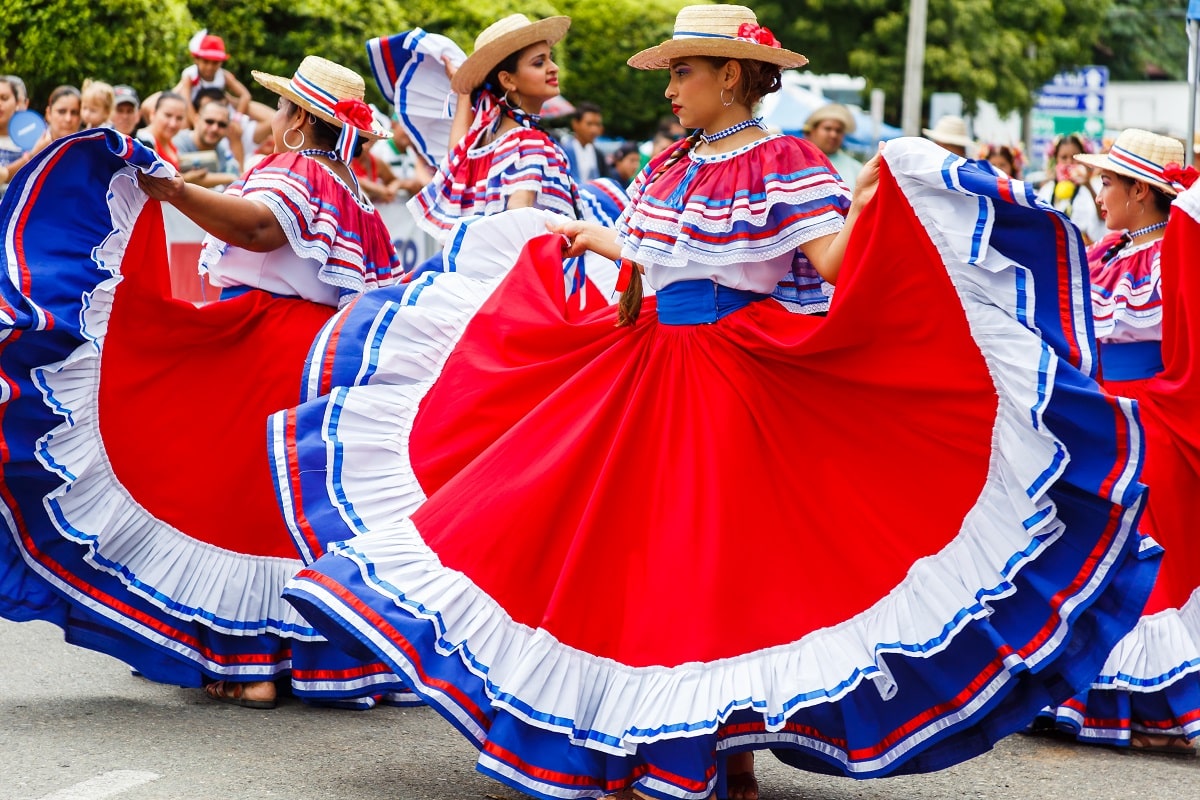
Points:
(584, 236)
(825, 253)
(464, 115)
(236, 220)
(238, 93)
(522, 199)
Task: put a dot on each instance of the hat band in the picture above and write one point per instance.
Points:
(747, 32)
(326, 102)
(1136, 164)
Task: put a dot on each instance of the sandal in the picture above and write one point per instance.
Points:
(1167, 745)
(234, 692)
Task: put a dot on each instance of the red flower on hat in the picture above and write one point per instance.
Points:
(757, 34)
(1184, 176)
(354, 112)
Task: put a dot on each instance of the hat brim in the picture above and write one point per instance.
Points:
(211, 55)
(1102, 161)
(475, 69)
(937, 138)
(659, 56)
(283, 87)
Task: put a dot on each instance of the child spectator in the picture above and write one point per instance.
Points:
(97, 100)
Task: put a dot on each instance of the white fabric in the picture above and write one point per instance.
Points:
(756, 276)
(280, 271)
(1082, 209)
(941, 595)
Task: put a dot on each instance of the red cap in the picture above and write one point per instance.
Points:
(210, 48)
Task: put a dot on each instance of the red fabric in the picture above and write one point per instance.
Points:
(1170, 411)
(185, 393)
(644, 466)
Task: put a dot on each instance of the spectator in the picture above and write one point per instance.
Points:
(402, 158)
(205, 148)
(668, 132)
(12, 157)
(125, 114)
(587, 124)
(626, 161)
(827, 128)
(951, 134)
(62, 115)
(96, 104)
(169, 117)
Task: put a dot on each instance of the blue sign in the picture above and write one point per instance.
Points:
(1071, 103)
(1088, 80)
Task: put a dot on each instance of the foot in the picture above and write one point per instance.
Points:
(740, 783)
(255, 694)
(1161, 743)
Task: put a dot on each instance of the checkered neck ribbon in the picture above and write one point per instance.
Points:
(355, 115)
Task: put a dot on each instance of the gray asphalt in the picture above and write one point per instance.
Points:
(76, 725)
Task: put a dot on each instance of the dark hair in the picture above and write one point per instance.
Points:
(17, 85)
(623, 150)
(165, 96)
(629, 305)
(759, 78)
(1072, 138)
(1162, 200)
(61, 92)
(492, 81)
(585, 108)
(325, 134)
(209, 93)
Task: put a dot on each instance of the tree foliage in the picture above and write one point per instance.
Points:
(602, 38)
(274, 35)
(1144, 38)
(52, 42)
(992, 50)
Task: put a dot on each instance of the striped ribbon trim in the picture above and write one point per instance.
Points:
(1135, 163)
(348, 138)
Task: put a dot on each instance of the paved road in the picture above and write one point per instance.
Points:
(75, 725)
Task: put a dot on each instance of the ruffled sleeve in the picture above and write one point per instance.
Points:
(322, 222)
(1126, 290)
(480, 181)
(752, 204)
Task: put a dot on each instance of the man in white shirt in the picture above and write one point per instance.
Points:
(587, 125)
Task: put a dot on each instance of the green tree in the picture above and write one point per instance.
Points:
(52, 42)
(1143, 39)
(274, 35)
(603, 36)
(993, 50)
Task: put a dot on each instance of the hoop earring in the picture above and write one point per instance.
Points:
(510, 103)
(732, 97)
(288, 144)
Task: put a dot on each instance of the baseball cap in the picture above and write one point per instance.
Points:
(123, 93)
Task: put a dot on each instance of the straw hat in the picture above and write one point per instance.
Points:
(950, 130)
(318, 85)
(500, 40)
(834, 111)
(721, 31)
(1140, 155)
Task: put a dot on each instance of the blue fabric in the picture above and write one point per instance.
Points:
(701, 302)
(1130, 361)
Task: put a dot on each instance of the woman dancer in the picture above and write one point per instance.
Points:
(1147, 697)
(558, 507)
(139, 502)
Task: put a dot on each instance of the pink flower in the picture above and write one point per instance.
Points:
(354, 112)
(757, 34)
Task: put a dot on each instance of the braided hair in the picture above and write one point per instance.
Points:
(630, 304)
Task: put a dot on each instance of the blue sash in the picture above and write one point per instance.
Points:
(1130, 361)
(701, 302)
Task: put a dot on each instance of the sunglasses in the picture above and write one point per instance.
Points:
(216, 122)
